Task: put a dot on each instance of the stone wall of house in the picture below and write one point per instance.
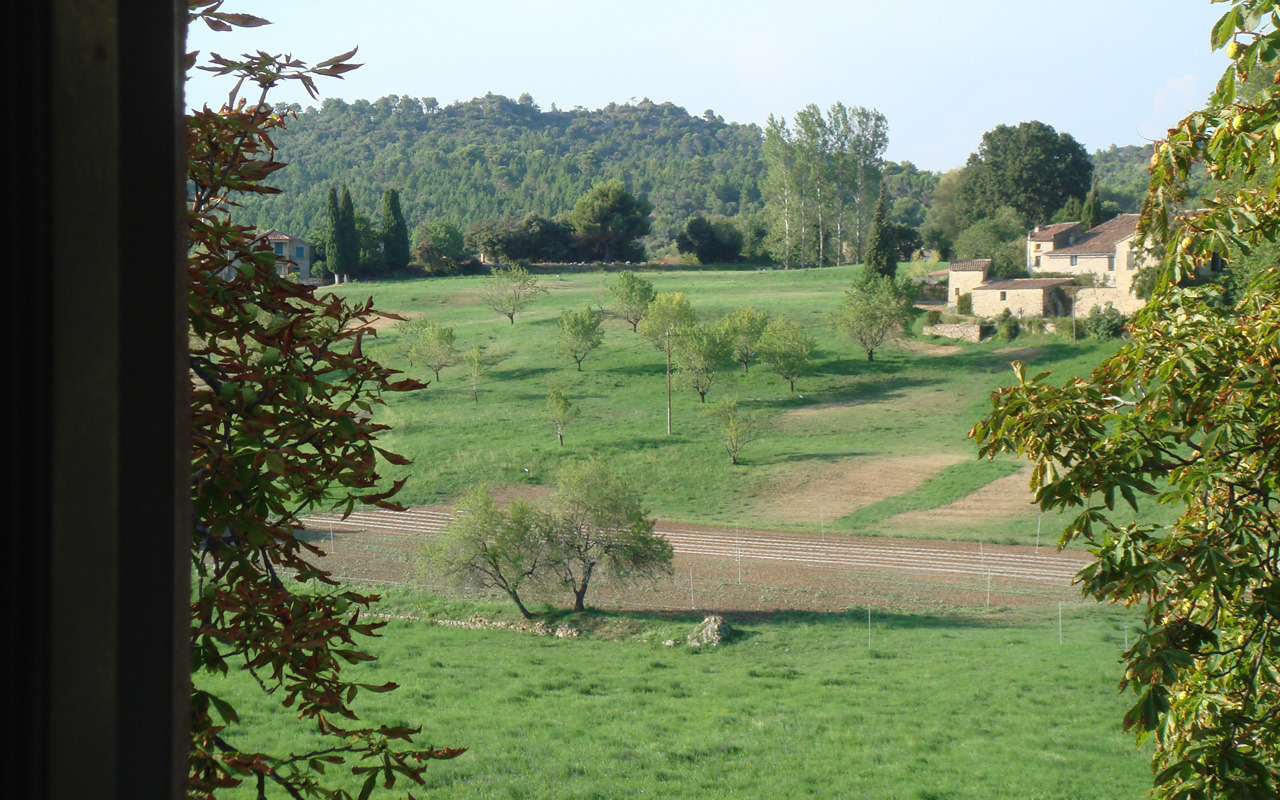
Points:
(967, 332)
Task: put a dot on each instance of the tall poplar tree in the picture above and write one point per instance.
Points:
(394, 233)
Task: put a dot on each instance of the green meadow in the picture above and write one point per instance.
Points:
(947, 706)
(904, 416)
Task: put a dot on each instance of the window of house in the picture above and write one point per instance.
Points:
(1075, 261)
(957, 292)
(1004, 296)
(299, 252)
(1037, 247)
(279, 248)
(1111, 263)
(1037, 261)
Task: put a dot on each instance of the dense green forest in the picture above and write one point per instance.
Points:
(493, 157)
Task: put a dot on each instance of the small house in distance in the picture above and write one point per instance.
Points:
(294, 254)
(1024, 297)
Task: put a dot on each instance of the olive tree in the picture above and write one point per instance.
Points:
(632, 295)
(580, 333)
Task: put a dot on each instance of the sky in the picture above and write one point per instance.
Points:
(1118, 72)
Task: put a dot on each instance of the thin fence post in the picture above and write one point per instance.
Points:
(1038, 518)
(692, 604)
(868, 626)
(988, 590)
(1059, 623)
(737, 538)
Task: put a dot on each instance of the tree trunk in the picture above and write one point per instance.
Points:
(515, 598)
(579, 599)
(869, 356)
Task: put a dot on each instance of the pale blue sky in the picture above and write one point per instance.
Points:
(1110, 72)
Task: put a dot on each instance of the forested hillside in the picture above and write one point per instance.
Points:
(493, 157)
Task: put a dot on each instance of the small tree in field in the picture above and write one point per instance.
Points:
(560, 411)
(668, 313)
(785, 350)
(475, 363)
(741, 329)
(632, 295)
(874, 310)
(599, 525)
(487, 547)
(698, 352)
(738, 428)
(510, 290)
(429, 343)
(580, 333)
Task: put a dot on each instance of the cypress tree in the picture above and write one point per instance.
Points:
(395, 234)
(345, 258)
(332, 223)
(882, 251)
(1091, 212)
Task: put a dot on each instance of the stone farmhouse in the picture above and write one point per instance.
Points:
(1070, 271)
(294, 254)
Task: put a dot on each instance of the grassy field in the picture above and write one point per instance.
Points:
(859, 447)
(797, 705)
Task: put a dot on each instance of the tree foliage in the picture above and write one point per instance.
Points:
(668, 313)
(607, 222)
(711, 242)
(875, 309)
(698, 351)
(282, 399)
(580, 334)
(510, 290)
(1186, 413)
(600, 527)
(1030, 167)
(738, 428)
(561, 411)
(492, 548)
(741, 330)
(394, 233)
(632, 295)
(882, 249)
(786, 350)
(439, 247)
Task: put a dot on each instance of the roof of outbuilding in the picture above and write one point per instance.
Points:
(1023, 283)
(1103, 238)
(970, 265)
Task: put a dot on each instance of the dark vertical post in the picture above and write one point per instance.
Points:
(99, 444)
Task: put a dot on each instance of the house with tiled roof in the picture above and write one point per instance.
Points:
(965, 276)
(1023, 297)
(1107, 256)
(294, 255)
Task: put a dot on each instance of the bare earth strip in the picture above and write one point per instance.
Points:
(1001, 499)
(747, 570)
(822, 491)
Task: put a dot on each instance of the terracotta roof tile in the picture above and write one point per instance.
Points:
(1045, 233)
(1102, 239)
(1023, 283)
(970, 265)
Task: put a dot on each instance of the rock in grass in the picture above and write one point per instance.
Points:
(711, 631)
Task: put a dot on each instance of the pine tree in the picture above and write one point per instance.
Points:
(882, 251)
(395, 233)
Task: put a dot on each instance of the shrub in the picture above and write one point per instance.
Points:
(1007, 325)
(964, 304)
(933, 317)
(1104, 323)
